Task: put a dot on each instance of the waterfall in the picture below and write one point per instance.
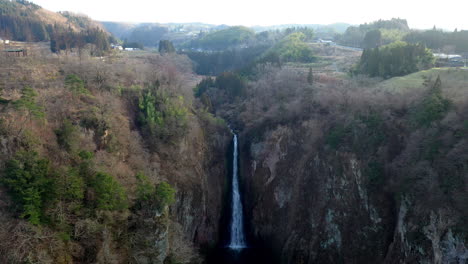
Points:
(237, 241)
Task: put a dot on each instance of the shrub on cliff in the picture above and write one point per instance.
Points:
(161, 116)
(67, 136)
(75, 84)
(336, 135)
(149, 195)
(70, 186)
(28, 104)
(145, 189)
(109, 194)
(164, 194)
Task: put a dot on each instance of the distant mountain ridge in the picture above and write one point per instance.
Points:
(149, 34)
(337, 27)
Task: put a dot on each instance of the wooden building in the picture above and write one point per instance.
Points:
(16, 52)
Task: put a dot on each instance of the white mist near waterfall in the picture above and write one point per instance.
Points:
(237, 241)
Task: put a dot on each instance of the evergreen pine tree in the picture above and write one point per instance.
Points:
(310, 76)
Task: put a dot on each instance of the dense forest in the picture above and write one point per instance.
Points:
(66, 40)
(396, 59)
(19, 22)
(439, 40)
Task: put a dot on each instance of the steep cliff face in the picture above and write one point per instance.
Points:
(202, 186)
(313, 203)
(197, 169)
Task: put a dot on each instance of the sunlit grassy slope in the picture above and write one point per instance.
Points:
(454, 82)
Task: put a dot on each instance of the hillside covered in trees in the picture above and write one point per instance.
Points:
(278, 47)
(361, 36)
(21, 20)
(94, 152)
(384, 32)
(225, 38)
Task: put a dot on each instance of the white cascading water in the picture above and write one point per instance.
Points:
(237, 226)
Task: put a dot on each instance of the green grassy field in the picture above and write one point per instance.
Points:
(454, 81)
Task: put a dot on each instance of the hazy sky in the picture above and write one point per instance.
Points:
(448, 14)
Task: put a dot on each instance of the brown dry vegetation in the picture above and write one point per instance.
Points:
(103, 117)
